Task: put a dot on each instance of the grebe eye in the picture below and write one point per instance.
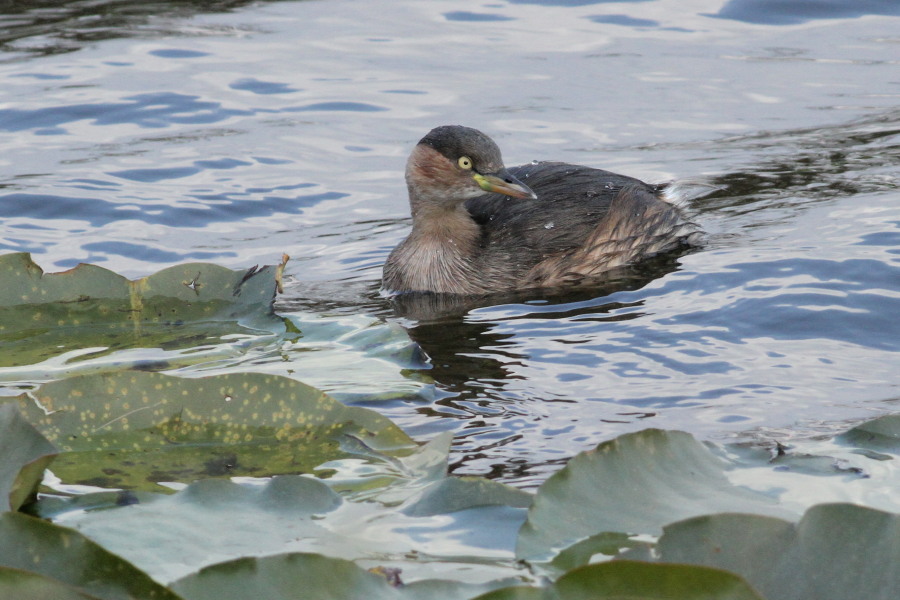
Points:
(465, 162)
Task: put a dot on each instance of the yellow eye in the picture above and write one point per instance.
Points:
(465, 162)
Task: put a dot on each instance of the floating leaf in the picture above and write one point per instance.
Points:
(302, 514)
(300, 575)
(25, 454)
(133, 429)
(460, 493)
(835, 552)
(22, 585)
(607, 544)
(353, 357)
(33, 545)
(633, 484)
(90, 311)
(636, 580)
(882, 433)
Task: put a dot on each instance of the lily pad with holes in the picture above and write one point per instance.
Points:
(131, 430)
(53, 321)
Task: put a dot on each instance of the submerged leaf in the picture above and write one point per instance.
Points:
(451, 494)
(131, 430)
(636, 580)
(836, 551)
(25, 454)
(33, 545)
(633, 484)
(300, 575)
(91, 311)
(302, 514)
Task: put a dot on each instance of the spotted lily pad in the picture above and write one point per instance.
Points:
(131, 430)
(89, 311)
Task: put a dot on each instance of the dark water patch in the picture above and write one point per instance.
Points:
(816, 163)
(93, 184)
(155, 175)
(98, 212)
(21, 245)
(264, 160)
(149, 110)
(269, 190)
(336, 106)
(623, 20)
(41, 76)
(793, 12)
(178, 53)
(70, 25)
(222, 163)
(256, 86)
(889, 239)
(411, 92)
(471, 17)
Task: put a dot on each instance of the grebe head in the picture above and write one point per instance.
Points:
(453, 164)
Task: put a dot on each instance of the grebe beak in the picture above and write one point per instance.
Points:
(502, 182)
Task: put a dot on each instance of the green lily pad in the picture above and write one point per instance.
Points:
(835, 552)
(621, 580)
(352, 357)
(55, 321)
(633, 484)
(301, 575)
(452, 494)
(367, 523)
(36, 546)
(23, 585)
(26, 453)
(882, 434)
(131, 430)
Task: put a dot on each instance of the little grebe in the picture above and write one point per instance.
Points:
(569, 224)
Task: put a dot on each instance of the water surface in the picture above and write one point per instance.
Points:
(232, 132)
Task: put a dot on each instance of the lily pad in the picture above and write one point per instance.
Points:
(66, 556)
(882, 433)
(23, 585)
(638, 581)
(131, 430)
(634, 484)
(835, 552)
(26, 453)
(300, 575)
(90, 311)
(367, 523)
